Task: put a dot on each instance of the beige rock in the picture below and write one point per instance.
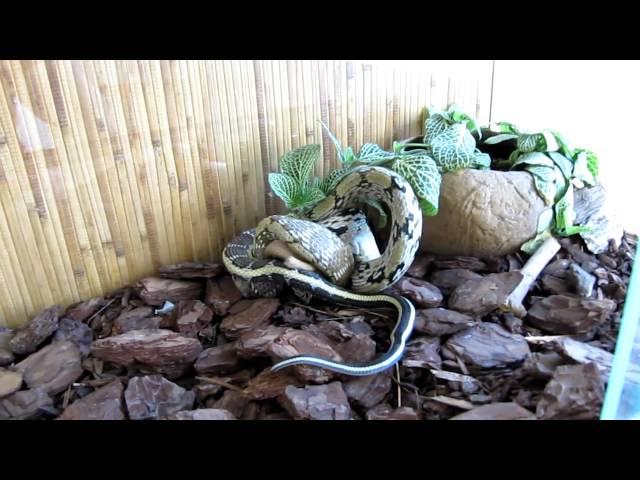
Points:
(483, 213)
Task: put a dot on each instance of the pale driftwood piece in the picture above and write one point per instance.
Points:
(530, 271)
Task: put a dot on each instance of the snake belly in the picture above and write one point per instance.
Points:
(361, 284)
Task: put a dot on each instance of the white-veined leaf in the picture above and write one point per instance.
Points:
(527, 142)
(481, 160)
(454, 148)
(544, 179)
(581, 169)
(502, 137)
(332, 179)
(565, 164)
(434, 126)
(298, 163)
(371, 151)
(548, 142)
(285, 187)
(422, 174)
(534, 158)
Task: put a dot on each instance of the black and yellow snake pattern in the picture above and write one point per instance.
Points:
(345, 274)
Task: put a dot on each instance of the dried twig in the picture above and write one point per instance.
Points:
(217, 381)
(100, 311)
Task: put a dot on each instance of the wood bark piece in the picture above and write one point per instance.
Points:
(317, 402)
(463, 262)
(257, 314)
(370, 390)
(448, 280)
(127, 324)
(358, 349)
(268, 384)
(154, 396)
(584, 353)
(221, 294)
(298, 342)
(497, 411)
(192, 317)
(568, 314)
(422, 352)
(478, 297)
(10, 382)
(255, 343)
(575, 392)
(27, 339)
(488, 345)
(52, 368)
(385, 412)
(542, 364)
(25, 404)
(218, 360)
(555, 285)
(155, 291)
(189, 270)
(75, 332)
(465, 383)
(159, 350)
(441, 321)
(105, 403)
(422, 293)
(6, 355)
(420, 266)
(236, 403)
(203, 414)
(581, 280)
(82, 311)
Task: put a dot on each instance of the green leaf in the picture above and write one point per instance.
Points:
(454, 148)
(370, 152)
(544, 181)
(285, 187)
(565, 149)
(335, 141)
(481, 160)
(382, 220)
(592, 161)
(348, 156)
(422, 174)
(534, 158)
(332, 179)
(548, 142)
(581, 169)
(532, 245)
(564, 164)
(565, 216)
(527, 142)
(505, 127)
(298, 163)
(503, 137)
(434, 126)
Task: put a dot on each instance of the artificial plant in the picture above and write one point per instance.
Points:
(451, 141)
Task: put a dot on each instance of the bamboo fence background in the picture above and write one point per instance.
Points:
(111, 169)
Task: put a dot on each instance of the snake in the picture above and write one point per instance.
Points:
(334, 239)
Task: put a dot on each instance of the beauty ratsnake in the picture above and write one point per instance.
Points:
(345, 265)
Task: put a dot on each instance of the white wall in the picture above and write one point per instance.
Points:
(595, 104)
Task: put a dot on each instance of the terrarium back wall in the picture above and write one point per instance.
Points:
(111, 169)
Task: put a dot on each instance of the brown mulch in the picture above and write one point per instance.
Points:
(207, 354)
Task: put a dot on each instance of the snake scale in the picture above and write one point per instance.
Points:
(330, 239)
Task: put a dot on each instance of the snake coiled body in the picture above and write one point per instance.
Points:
(327, 238)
